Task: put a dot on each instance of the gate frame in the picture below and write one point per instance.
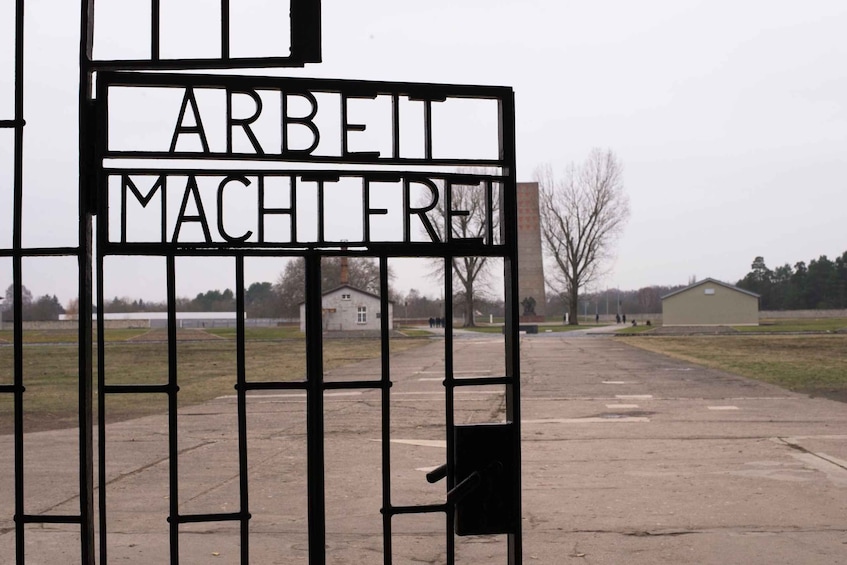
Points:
(305, 48)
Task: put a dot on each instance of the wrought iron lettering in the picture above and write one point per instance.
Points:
(308, 201)
(305, 120)
(200, 200)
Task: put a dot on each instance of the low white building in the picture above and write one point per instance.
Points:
(710, 302)
(347, 308)
(160, 319)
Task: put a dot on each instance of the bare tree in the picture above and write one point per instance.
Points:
(7, 307)
(72, 307)
(26, 296)
(581, 217)
(470, 272)
(649, 300)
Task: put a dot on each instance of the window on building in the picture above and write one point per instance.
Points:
(362, 315)
(345, 297)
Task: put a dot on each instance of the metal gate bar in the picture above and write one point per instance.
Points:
(385, 401)
(241, 378)
(449, 398)
(17, 389)
(173, 404)
(315, 464)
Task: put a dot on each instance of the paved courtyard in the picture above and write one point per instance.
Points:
(628, 457)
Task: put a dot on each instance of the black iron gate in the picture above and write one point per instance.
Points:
(163, 157)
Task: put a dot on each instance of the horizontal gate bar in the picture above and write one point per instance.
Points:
(51, 519)
(324, 159)
(179, 64)
(273, 385)
(422, 509)
(39, 252)
(139, 389)
(336, 385)
(350, 87)
(223, 517)
(478, 381)
(325, 249)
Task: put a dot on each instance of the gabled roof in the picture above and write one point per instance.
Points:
(353, 288)
(713, 281)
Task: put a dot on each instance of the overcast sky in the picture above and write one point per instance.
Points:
(730, 118)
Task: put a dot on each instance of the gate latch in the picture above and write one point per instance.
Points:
(484, 497)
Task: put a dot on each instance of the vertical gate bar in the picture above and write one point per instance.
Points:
(241, 377)
(101, 404)
(155, 36)
(509, 225)
(395, 129)
(321, 222)
(306, 37)
(19, 415)
(17, 323)
(428, 142)
(448, 391)
(386, 409)
(315, 465)
(292, 199)
(225, 29)
(86, 422)
(173, 388)
(86, 307)
(489, 215)
(102, 235)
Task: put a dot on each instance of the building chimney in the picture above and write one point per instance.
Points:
(345, 272)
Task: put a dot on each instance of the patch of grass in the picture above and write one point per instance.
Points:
(813, 364)
(71, 336)
(542, 328)
(110, 335)
(483, 329)
(43, 336)
(279, 332)
(796, 325)
(206, 370)
(569, 328)
(641, 328)
(415, 332)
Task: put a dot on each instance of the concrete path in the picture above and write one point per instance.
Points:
(629, 458)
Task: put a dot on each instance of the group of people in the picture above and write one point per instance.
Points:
(436, 322)
(618, 319)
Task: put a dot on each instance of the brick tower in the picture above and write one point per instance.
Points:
(531, 263)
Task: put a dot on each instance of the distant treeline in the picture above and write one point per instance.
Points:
(646, 300)
(45, 307)
(260, 301)
(265, 300)
(820, 285)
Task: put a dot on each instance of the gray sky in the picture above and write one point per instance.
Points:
(729, 118)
